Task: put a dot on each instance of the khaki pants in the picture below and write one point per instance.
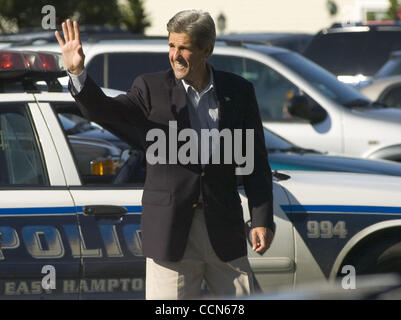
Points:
(183, 279)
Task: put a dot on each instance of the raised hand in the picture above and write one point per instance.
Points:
(71, 49)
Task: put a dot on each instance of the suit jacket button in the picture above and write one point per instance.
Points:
(194, 205)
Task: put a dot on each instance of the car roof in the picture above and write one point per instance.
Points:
(155, 45)
(337, 28)
(293, 41)
(262, 35)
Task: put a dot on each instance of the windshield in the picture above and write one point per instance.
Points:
(322, 80)
(66, 123)
(352, 53)
(275, 142)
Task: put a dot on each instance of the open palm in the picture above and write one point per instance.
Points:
(71, 47)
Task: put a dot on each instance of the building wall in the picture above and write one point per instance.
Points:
(263, 15)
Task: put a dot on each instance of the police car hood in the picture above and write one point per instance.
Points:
(350, 191)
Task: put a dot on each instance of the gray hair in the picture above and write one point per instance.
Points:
(199, 25)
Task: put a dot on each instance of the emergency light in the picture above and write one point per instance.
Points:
(30, 65)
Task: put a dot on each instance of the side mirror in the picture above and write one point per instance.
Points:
(298, 106)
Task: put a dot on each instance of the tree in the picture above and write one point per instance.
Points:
(98, 12)
(27, 13)
(392, 12)
(134, 16)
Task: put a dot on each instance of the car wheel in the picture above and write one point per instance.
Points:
(384, 256)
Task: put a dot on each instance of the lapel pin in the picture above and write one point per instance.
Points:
(227, 99)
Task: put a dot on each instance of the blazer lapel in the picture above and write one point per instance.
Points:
(179, 107)
(224, 100)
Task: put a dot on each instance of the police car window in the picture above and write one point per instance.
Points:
(96, 69)
(102, 157)
(272, 89)
(21, 161)
(122, 68)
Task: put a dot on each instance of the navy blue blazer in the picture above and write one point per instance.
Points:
(170, 190)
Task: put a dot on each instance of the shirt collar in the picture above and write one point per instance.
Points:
(208, 87)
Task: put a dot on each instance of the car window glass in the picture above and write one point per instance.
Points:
(319, 78)
(271, 88)
(101, 157)
(228, 63)
(276, 142)
(21, 159)
(124, 67)
(95, 69)
(351, 53)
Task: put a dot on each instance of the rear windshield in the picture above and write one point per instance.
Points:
(351, 53)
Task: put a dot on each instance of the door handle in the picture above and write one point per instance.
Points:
(104, 211)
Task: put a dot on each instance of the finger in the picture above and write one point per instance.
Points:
(65, 32)
(59, 39)
(76, 31)
(70, 30)
(254, 240)
(262, 244)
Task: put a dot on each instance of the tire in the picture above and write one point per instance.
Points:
(384, 256)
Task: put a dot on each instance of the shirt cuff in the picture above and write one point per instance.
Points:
(78, 81)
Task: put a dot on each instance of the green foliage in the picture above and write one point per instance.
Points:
(134, 16)
(27, 13)
(393, 9)
(331, 7)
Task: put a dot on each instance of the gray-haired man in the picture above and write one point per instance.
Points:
(192, 224)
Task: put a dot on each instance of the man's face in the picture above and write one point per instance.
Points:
(186, 59)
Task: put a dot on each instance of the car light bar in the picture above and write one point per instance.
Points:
(30, 65)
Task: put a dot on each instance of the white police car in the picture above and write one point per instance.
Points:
(80, 227)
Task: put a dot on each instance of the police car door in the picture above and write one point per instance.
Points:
(276, 267)
(109, 212)
(38, 220)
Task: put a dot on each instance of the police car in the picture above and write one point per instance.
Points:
(72, 230)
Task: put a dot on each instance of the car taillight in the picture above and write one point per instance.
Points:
(48, 61)
(31, 65)
(33, 62)
(10, 61)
